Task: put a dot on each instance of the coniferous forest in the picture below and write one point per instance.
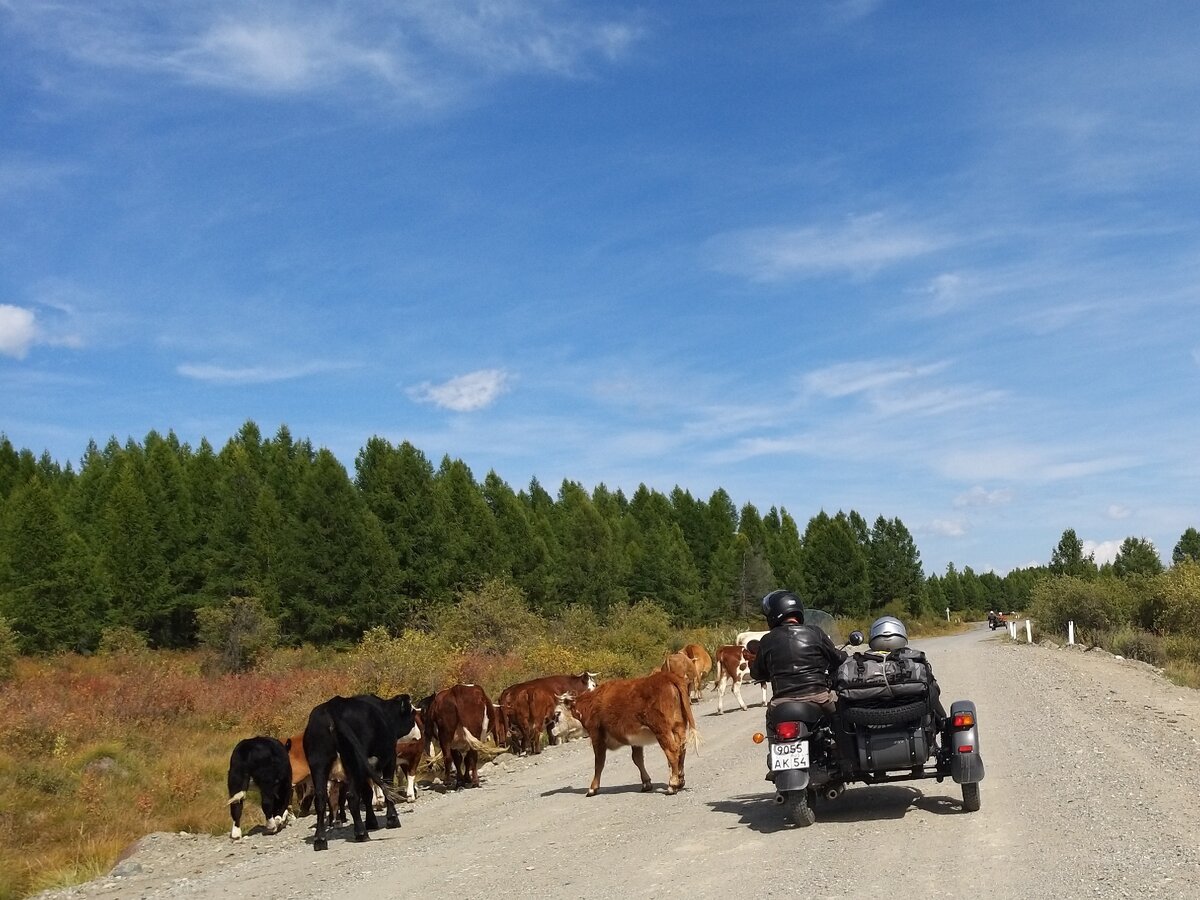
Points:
(145, 534)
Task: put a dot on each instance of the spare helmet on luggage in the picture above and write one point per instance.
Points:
(888, 633)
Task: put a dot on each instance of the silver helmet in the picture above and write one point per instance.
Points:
(888, 633)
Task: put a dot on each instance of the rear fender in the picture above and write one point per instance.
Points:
(966, 764)
(790, 779)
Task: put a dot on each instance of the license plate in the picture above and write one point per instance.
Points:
(789, 756)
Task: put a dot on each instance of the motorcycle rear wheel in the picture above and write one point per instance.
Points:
(970, 798)
(799, 808)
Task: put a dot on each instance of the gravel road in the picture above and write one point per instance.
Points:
(1089, 793)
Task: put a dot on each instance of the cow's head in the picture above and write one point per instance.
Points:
(564, 708)
(588, 679)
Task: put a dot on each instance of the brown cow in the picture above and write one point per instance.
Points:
(528, 708)
(681, 664)
(702, 664)
(458, 718)
(637, 712)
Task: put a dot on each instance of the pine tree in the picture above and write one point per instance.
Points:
(894, 565)
(835, 567)
(49, 588)
(1187, 548)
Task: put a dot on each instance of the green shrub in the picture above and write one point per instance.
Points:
(236, 634)
(1133, 643)
(641, 631)
(121, 640)
(416, 663)
(8, 649)
(1179, 595)
(491, 619)
(1094, 606)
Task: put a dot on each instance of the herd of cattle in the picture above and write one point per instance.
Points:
(352, 747)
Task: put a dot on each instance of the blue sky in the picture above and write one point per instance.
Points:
(938, 261)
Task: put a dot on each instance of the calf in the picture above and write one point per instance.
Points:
(637, 712)
(265, 761)
(302, 783)
(701, 664)
(409, 753)
(362, 731)
(458, 718)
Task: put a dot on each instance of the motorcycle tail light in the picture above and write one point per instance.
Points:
(966, 748)
(964, 720)
(787, 731)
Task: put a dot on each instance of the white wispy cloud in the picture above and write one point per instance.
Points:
(1026, 464)
(421, 52)
(898, 388)
(465, 393)
(261, 374)
(860, 246)
(981, 496)
(844, 379)
(18, 330)
(1102, 551)
(1117, 511)
(948, 527)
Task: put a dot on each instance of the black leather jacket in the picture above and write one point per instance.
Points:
(796, 659)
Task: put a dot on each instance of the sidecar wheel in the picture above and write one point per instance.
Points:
(970, 797)
(799, 810)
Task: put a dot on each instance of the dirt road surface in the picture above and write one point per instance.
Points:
(1090, 792)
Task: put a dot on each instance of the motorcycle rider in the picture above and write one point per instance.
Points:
(799, 660)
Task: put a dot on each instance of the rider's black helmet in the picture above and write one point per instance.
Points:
(780, 605)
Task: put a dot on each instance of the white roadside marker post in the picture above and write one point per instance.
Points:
(1070, 634)
(1028, 632)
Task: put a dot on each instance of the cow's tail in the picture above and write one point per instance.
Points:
(363, 763)
(685, 701)
(462, 734)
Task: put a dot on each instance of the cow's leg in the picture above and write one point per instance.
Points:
(737, 692)
(410, 787)
(320, 777)
(358, 791)
(388, 770)
(472, 761)
(639, 760)
(448, 759)
(339, 790)
(235, 813)
(720, 688)
(601, 750)
(673, 748)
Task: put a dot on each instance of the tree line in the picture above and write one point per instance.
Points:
(146, 534)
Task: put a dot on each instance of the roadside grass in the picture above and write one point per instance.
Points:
(1177, 655)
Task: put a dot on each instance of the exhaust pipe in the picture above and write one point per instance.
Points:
(780, 799)
(834, 792)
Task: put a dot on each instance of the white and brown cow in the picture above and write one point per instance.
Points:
(729, 674)
(638, 712)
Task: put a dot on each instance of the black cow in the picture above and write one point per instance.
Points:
(265, 760)
(363, 731)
